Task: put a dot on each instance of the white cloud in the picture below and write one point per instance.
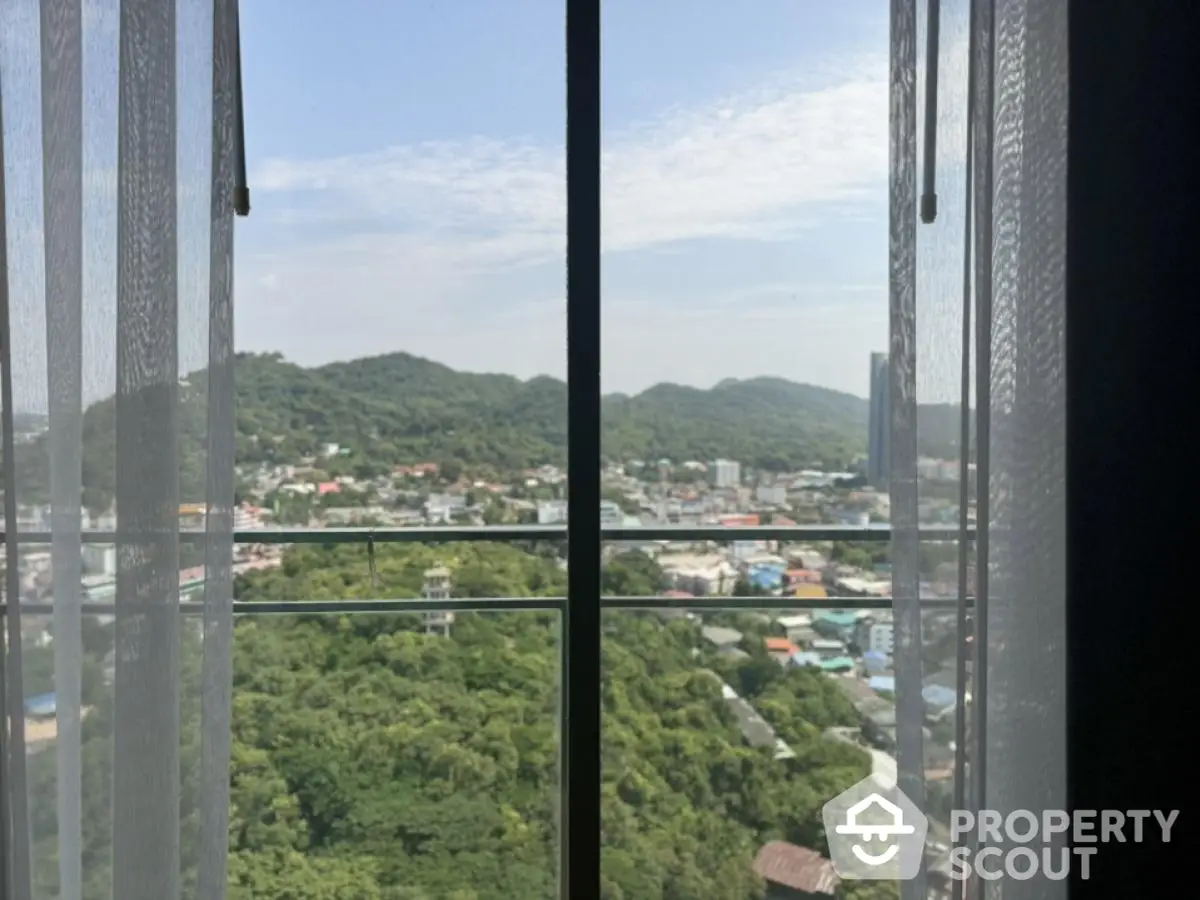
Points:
(744, 166)
(752, 166)
(437, 247)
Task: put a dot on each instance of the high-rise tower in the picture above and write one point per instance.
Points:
(879, 443)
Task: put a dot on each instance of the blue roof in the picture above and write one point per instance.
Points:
(882, 683)
(41, 705)
(875, 661)
(764, 579)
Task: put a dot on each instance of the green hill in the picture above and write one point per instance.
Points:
(399, 408)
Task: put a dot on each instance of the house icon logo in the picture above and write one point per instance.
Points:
(875, 832)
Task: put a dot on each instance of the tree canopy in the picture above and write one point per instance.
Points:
(371, 759)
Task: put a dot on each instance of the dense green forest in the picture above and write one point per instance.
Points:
(373, 761)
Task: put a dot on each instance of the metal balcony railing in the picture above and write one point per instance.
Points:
(369, 537)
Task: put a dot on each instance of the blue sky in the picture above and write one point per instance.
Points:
(408, 180)
(406, 166)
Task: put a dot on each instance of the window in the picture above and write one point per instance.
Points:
(326, 617)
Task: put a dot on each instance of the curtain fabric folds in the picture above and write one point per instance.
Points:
(116, 285)
(977, 320)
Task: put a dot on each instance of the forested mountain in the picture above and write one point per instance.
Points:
(373, 761)
(398, 408)
(395, 409)
(939, 427)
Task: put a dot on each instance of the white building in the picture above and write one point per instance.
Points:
(771, 494)
(875, 634)
(611, 514)
(244, 519)
(726, 473)
(551, 512)
(99, 559)
(554, 512)
(698, 575)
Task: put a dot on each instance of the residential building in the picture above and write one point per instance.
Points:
(698, 575)
(874, 633)
(765, 576)
(838, 625)
(551, 512)
(610, 513)
(781, 648)
(792, 872)
(99, 559)
(828, 648)
(443, 507)
(726, 473)
(879, 459)
(755, 729)
(721, 637)
(771, 494)
(809, 592)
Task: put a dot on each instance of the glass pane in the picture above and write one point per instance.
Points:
(401, 317)
(400, 282)
(107, 185)
(410, 754)
(746, 325)
(726, 732)
(745, 259)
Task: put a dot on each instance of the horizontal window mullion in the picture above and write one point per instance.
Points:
(507, 604)
(504, 534)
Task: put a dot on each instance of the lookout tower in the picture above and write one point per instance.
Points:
(437, 587)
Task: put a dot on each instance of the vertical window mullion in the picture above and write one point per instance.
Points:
(580, 761)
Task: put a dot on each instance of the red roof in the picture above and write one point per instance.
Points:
(797, 868)
(328, 487)
(781, 645)
(804, 575)
(677, 594)
(747, 519)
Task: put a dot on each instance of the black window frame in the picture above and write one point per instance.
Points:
(579, 797)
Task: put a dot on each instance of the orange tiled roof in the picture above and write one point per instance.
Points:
(781, 645)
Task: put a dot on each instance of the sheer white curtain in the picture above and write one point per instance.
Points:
(1021, 721)
(992, 262)
(118, 130)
